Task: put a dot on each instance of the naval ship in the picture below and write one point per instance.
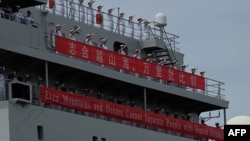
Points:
(59, 87)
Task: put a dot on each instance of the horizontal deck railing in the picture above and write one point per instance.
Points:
(130, 31)
(80, 103)
(212, 87)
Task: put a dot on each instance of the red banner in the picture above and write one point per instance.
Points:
(122, 112)
(127, 63)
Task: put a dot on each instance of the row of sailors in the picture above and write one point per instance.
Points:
(89, 37)
(119, 101)
(71, 89)
(143, 31)
(17, 15)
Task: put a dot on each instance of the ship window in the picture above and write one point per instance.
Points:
(103, 139)
(95, 138)
(40, 132)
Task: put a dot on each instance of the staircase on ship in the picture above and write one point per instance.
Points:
(160, 45)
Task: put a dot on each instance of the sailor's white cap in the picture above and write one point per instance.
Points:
(149, 55)
(88, 35)
(99, 6)
(14, 72)
(146, 22)
(103, 40)
(183, 65)
(136, 50)
(40, 78)
(194, 69)
(174, 61)
(27, 75)
(202, 72)
(139, 19)
(58, 25)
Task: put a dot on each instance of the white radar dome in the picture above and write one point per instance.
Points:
(160, 19)
(240, 120)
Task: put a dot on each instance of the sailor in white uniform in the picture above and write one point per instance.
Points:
(28, 18)
(58, 30)
(174, 64)
(137, 54)
(72, 35)
(110, 20)
(2, 13)
(103, 43)
(139, 28)
(121, 23)
(121, 50)
(2, 83)
(146, 30)
(72, 9)
(88, 39)
(18, 15)
(28, 79)
(131, 26)
(13, 77)
(82, 11)
(90, 13)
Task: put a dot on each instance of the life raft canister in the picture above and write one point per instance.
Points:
(51, 4)
(99, 19)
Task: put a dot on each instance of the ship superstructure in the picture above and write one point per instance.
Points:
(59, 87)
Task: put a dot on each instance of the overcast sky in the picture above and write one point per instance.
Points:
(214, 36)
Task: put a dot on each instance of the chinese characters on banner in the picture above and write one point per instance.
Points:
(127, 63)
(122, 112)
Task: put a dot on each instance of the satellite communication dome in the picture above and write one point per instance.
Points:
(160, 19)
(240, 120)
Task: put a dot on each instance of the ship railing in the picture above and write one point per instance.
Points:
(34, 97)
(213, 88)
(9, 16)
(168, 38)
(130, 31)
